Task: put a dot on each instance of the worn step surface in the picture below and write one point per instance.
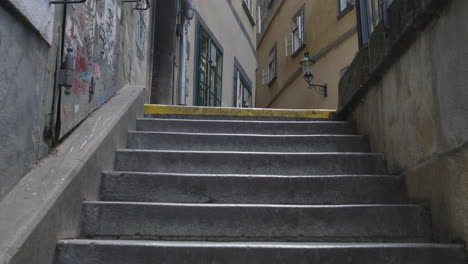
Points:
(251, 180)
(267, 163)
(239, 142)
(232, 222)
(248, 189)
(151, 252)
(246, 127)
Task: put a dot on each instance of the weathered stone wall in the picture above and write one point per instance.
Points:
(26, 73)
(415, 111)
(45, 205)
(30, 46)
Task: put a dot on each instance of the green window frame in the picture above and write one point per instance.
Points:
(209, 70)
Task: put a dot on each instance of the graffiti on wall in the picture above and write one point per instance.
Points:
(92, 32)
(140, 35)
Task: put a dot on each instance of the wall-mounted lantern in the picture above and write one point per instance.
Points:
(189, 12)
(306, 64)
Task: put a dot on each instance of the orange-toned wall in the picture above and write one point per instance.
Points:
(323, 31)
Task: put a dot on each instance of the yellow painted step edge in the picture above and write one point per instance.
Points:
(227, 111)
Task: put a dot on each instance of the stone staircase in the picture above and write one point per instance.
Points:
(249, 190)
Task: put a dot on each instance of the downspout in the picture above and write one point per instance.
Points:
(187, 15)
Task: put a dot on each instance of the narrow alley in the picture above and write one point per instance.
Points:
(233, 131)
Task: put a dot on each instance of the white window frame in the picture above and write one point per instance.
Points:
(344, 5)
(269, 73)
(250, 7)
(296, 40)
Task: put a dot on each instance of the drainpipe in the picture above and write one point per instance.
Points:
(187, 15)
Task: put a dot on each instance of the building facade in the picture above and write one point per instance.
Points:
(325, 29)
(222, 64)
(219, 64)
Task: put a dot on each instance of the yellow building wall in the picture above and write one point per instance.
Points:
(323, 28)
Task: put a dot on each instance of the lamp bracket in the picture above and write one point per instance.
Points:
(324, 88)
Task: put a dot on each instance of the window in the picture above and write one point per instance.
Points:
(297, 39)
(270, 73)
(272, 64)
(270, 3)
(344, 6)
(248, 6)
(244, 92)
(210, 71)
(298, 30)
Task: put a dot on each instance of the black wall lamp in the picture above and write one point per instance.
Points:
(306, 64)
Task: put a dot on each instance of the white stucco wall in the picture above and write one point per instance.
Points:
(221, 21)
(39, 13)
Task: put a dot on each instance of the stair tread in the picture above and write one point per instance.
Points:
(245, 127)
(237, 205)
(246, 121)
(252, 152)
(252, 175)
(246, 135)
(249, 222)
(238, 118)
(173, 252)
(252, 189)
(248, 162)
(250, 244)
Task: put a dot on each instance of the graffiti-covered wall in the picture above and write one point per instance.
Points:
(108, 43)
(99, 36)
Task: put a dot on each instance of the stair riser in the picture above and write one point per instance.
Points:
(243, 127)
(98, 254)
(206, 142)
(249, 163)
(255, 223)
(252, 190)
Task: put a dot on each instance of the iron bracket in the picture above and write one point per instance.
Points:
(324, 90)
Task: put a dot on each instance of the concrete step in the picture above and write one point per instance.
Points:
(247, 189)
(271, 163)
(239, 222)
(246, 127)
(234, 117)
(237, 142)
(150, 252)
